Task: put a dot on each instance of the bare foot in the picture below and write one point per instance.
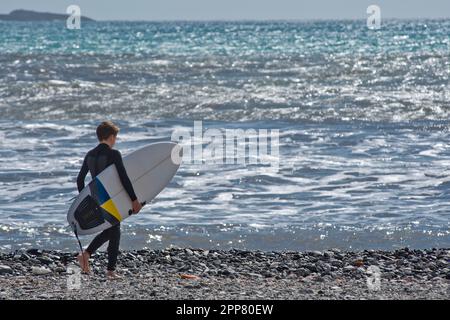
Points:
(112, 275)
(83, 259)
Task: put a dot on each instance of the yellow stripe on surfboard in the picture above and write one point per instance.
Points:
(111, 208)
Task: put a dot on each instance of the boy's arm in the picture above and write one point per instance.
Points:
(123, 175)
(82, 175)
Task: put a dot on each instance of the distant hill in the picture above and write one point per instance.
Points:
(27, 15)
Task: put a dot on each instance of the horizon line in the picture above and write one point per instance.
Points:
(235, 19)
(244, 19)
(264, 20)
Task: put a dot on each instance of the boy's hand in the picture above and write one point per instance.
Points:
(136, 206)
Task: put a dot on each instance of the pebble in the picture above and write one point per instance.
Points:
(442, 263)
(303, 272)
(336, 263)
(329, 270)
(349, 268)
(361, 270)
(45, 260)
(336, 288)
(40, 271)
(35, 252)
(5, 270)
(256, 275)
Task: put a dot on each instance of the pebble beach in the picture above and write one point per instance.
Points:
(187, 273)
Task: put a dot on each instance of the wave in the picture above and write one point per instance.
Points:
(329, 71)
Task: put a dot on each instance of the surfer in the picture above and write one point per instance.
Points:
(96, 160)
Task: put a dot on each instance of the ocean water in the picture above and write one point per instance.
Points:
(362, 115)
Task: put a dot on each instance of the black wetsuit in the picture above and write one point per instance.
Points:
(97, 160)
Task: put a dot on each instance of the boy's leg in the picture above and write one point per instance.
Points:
(98, 241)
(83, 260)
(113, 246)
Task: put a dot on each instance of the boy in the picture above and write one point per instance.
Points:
(96, 161)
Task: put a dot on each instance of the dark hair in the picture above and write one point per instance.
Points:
(106, 129)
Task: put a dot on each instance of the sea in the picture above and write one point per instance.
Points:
(362, 118)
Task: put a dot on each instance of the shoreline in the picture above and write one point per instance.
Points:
(230, 274)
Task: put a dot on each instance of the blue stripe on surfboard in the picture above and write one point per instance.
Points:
(102, 194)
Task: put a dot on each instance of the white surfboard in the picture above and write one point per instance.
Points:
(104, 202)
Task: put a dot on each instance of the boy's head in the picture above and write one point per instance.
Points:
(107, 132)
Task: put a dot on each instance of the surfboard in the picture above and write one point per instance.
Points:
(104, 202)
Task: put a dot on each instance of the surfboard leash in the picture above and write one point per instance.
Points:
(76, 235)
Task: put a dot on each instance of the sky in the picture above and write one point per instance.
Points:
(236, 9)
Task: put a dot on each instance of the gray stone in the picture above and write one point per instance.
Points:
(40, 271)
(24, 257)
(45, 260)
(311, 267)
(225, 272)
(267, 274)
(349, 268)
(255, 275)
(5, 270)
(34, 252)
(336, 263)
(303, 272)
(442, 263)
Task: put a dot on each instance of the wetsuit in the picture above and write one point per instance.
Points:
(96, 161)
